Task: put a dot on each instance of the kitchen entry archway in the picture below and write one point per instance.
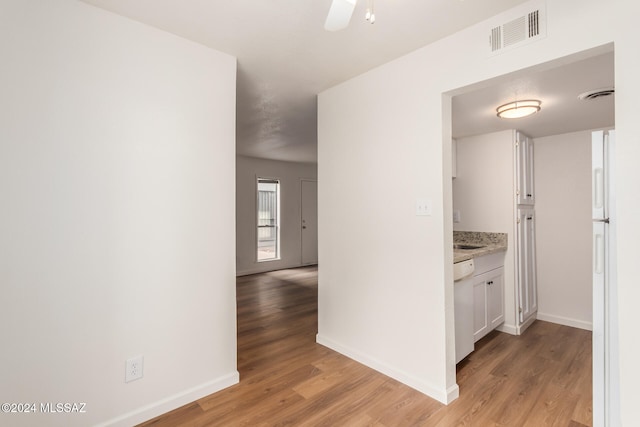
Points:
(605, 403)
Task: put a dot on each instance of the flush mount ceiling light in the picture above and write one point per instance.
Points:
(517, 109)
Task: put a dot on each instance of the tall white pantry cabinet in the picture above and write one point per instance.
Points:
(494, 192)
(526, 284)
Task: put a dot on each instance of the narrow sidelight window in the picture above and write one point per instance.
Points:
(268, 219)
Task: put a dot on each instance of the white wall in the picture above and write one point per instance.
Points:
(563, 228)
(627, 66)
(117, 154)
(483, 192)
(248, 169)
(385, 298)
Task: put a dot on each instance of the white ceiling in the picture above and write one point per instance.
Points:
(285, 58)
(557, 87)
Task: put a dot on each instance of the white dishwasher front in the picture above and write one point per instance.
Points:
(463, 314)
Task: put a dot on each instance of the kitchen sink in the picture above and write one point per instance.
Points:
(466, 246)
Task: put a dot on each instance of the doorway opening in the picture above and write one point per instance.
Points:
(563, 180)
(268, 248)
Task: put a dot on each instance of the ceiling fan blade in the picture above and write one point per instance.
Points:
(339, 14)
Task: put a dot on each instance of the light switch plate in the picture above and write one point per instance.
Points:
(423, 207)
(456, 215)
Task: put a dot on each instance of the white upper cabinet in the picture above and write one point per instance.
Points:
(525, 191)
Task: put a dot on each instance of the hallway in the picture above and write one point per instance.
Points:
(542, 378)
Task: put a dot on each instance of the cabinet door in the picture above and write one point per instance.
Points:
(526, 286)
(480, 324)
(529, 182)
(525, 194)
(488, 302)
(495, 298)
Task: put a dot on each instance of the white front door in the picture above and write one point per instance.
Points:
(309, 221)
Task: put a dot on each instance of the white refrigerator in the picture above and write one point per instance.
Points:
(605, 339)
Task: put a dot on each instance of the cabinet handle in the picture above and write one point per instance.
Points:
(490, 282)
(529, 218)
(529, 195)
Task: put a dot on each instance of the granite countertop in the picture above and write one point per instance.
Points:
(491, 243)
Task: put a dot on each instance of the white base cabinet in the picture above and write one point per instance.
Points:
(488, 295)
(488, 302)
(478, 303)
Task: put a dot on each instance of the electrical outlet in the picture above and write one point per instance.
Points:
(456, 216)
(133, 369)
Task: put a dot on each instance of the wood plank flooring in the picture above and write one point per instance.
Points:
(542, 378)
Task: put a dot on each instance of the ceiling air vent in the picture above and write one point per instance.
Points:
(517, 31)
(594, 94)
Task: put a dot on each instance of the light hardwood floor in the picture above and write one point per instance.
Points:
(542, 378)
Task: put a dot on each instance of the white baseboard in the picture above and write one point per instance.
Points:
(453, 393)
(267, 268)
(566, 321)
(445, 396)
(523, 327)
(170, 403)
(508, 329)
